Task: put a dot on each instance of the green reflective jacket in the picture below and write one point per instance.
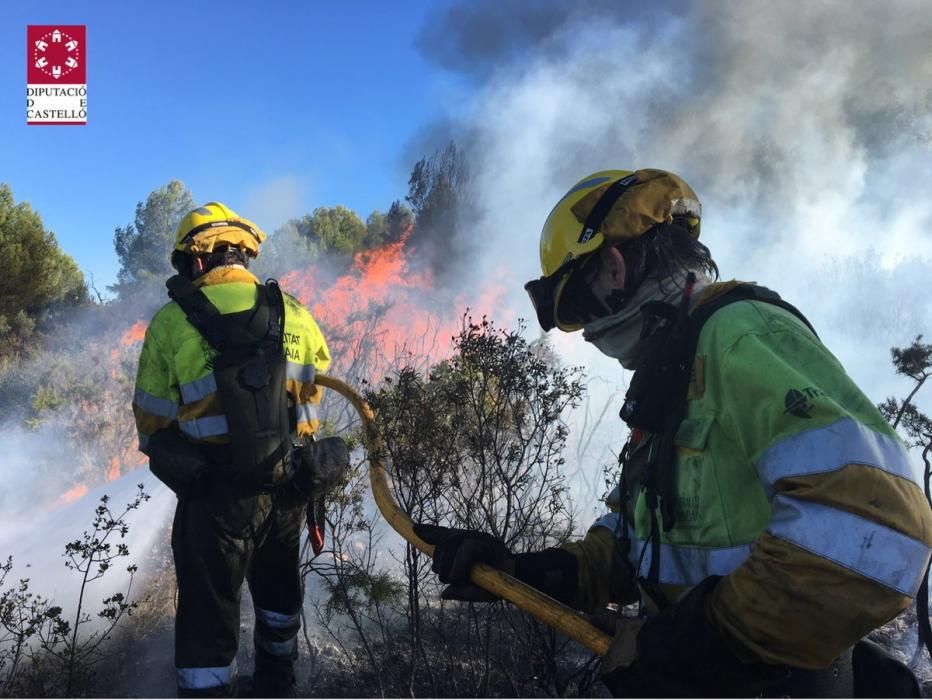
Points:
(790, 484)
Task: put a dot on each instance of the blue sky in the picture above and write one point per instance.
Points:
(273, 108)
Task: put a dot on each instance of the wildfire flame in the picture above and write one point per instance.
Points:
(134, 334)
(72, 494)
(413, 314)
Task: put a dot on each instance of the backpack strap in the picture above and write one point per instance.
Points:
(742, 292)
(271, 295)
(199, 310)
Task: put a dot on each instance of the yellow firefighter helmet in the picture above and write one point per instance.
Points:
(604, 208)
(214, 224)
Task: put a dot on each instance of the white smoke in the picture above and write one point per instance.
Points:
(806, 130)
(37, 542)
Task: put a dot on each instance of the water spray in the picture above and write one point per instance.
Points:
(543, 607)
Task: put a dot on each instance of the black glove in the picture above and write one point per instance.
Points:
(320, 467)
(455, 552)
(552, 571)
(680, 653)
(180, 465)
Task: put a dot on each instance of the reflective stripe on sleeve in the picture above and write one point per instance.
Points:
(608, 521)
(207, 426)
(195, 678)
(199, 388)
(306, 412)
(833, 447)
(681, 565)
(870, 549)
(299, 372)
(154, 405)
(687, 566)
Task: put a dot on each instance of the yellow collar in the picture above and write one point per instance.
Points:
(715, 290)
(223, 275)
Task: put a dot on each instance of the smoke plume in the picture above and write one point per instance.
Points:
(806, 130)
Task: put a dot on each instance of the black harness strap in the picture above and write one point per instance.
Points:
(200, 311)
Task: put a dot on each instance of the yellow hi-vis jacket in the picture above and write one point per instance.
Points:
(175, 383)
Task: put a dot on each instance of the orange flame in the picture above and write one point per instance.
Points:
(114, 472)
(415, 316)
(134, 333)
(72, 494)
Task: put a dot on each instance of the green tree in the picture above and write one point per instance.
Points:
(439, 195)
(382, 229)
(915, 361)
(144, 247)
(38, 281)
(332, 230)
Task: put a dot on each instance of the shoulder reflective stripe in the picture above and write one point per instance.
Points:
(277, 620)
(300, 373)
(867, 548)
(143, 441)
(306, 412)
(687, 566)
(285, 648)
(832, 447)
(679, 564)
(199, 388)
(194, 678)
(205, 427)
(164, 408)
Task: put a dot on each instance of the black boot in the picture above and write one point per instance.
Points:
(274, 675)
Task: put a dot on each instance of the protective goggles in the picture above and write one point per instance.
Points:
(578, 305)
(545, 291)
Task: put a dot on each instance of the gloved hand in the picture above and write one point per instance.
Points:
(552, 571)
(179, 464)
(680, 653)
(321, 467)
(455, 552)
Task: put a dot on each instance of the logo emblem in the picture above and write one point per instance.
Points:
(586, 236)
(798, 403)
(56, 53)
(56, 74)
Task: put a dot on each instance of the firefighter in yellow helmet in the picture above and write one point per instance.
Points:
(225, 406)
(767, 517)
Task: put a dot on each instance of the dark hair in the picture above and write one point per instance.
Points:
(184, 262)
(663, 251)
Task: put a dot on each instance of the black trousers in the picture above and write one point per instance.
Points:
(217, 542)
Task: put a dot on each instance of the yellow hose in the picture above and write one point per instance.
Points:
(541, 606)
